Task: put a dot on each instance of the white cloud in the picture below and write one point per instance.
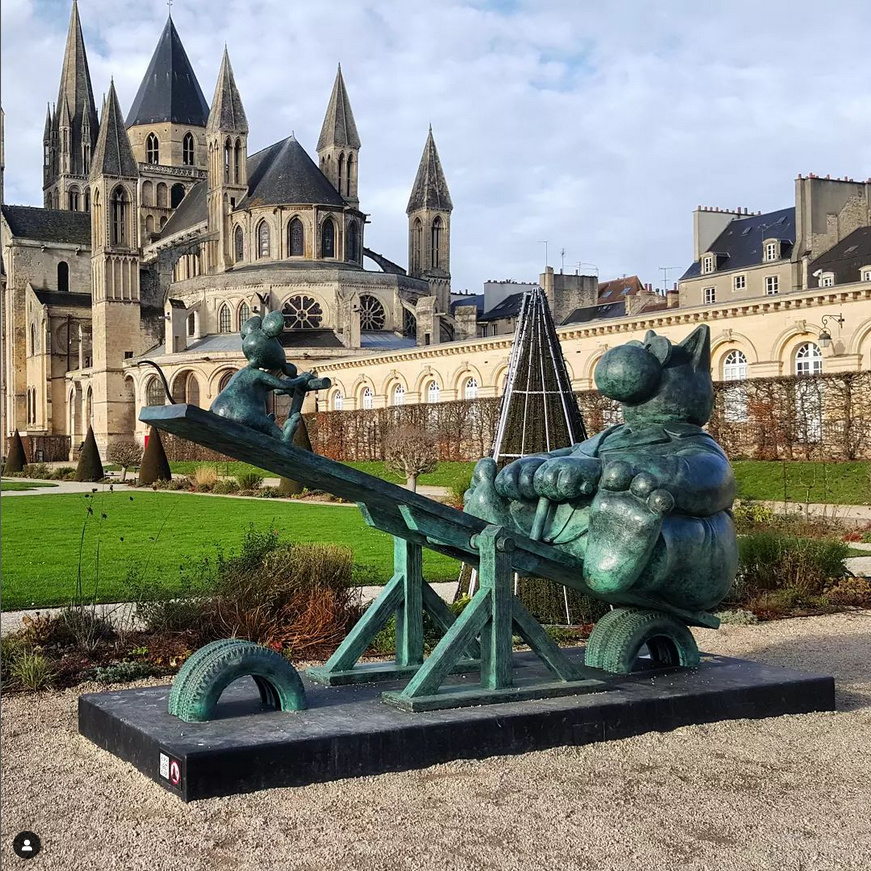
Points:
(596, 126)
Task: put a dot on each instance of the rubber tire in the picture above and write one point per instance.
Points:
(200, 693)
(615, 649)
(190, 665)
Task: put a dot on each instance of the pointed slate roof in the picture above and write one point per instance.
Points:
(339, 127)
(227, 111)
(113, 155)
(283, 173)
(75, 90)
(430, 190)
(170, 90)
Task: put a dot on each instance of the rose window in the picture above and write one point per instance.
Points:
(302, 313)
(371, 313)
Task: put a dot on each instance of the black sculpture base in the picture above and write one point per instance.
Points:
(349, 732)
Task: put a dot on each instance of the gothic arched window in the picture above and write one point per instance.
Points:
(416, 244)
(349, 174)
(73, 199)
(296, 238)
(244, 313)
(161, 195)
(33, 348)
(228, 152)
(328, 239)
(225, 379)
(149, 223)
(436, 243)
(353, 242)
(302, 313)
(470, 388)
(808, 359)
(237, 161)
(434, 391)
(186, 388)
(263, 240)
(367, 397)
(341, 172)
(187, 150)
(152, 149)
(224, 325)
(154, 394)
(371, 313)
(192, 324)
(63, 275)
(119, 216)
(239, 244)
(87, 200)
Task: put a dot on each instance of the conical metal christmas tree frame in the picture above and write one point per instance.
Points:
(539, 411)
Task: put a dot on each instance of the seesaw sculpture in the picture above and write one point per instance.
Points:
(638, 516)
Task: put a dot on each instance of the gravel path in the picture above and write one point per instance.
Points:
(785, 793)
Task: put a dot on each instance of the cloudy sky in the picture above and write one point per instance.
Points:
(597, 126)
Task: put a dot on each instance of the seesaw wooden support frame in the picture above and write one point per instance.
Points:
(481, 637)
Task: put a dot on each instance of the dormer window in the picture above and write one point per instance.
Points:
(866, 273)
(772, 250)
(708, 264)
(827, 279)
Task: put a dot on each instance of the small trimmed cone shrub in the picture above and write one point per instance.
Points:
(17, 459)
(155, 465)
(286, 486)
(90, 467)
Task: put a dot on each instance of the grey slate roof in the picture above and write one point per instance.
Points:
(847, 258)
(339, 127)
(596, 312)
(430, 190)
(49, 225)
(740, 244)
(475, 299)
(227, 113)
(284, 174)
(192, 210)
(113, 155)
(310, 339)
(61, 298)
(170, 90)
(385, 340)
(506, 308)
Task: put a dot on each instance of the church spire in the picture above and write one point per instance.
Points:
(227, 113)
(430, 190)
(339, 128)
(113, 155)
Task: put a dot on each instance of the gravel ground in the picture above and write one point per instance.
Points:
(784, 793)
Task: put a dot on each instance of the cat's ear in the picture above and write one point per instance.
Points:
(698, 346)
(273, 324)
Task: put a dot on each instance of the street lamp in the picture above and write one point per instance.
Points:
(825, 338)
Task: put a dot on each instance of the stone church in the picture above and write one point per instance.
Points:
(160, 235)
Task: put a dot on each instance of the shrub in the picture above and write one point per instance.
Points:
(225, 487)
(122, 672)
(249, 480)
(738, 617)
(16, 460)
(12, 648)
(750, 513)
(205, 477)
(37, 470)
(74, 626)
(63, 473)
(851, 592)
(271, 493)
(31, 671)
(125, 454)
(155, 465)
(546, 601)
(384, 643)
(90, 467)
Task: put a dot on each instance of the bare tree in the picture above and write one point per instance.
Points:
(410, 452)
(125, 454)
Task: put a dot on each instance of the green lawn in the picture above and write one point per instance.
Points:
(40, 540)
(846, 483)
(24, 485)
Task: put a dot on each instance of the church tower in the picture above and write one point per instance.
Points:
(227, 143)
(71, 130)
(429, 226)
(115, 253)
(339, 143)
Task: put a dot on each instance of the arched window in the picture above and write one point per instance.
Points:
(263, 240)
(73, 199)
(338, 401)
(296, 238)
(152, 149)
(328, 239)
(163, 222)
(225, 379)
(228, 154)
(350, 175)
(808, 359)
(302, 313)
(89, 408)
(367, 397)
(371, 313)
(239, 244)
(32, 339)
(87, 200)
(416, 244)
(187, 150)
(224, 319)
(470, 388)
(433, 392)
(176, 195)
(237, 161)
(149, 223)
(399, 395)
(352, 246)
(186, 388)
(734, 366)
(341, 172)
(161, 195)
(63, 276)
(119, 216)
(244, 314)
(147, 193)
(97, 218)
(192, 324)
(86, 154)
(436, 243)
(154, 393)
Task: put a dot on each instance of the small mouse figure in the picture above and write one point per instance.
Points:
(244, 398)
